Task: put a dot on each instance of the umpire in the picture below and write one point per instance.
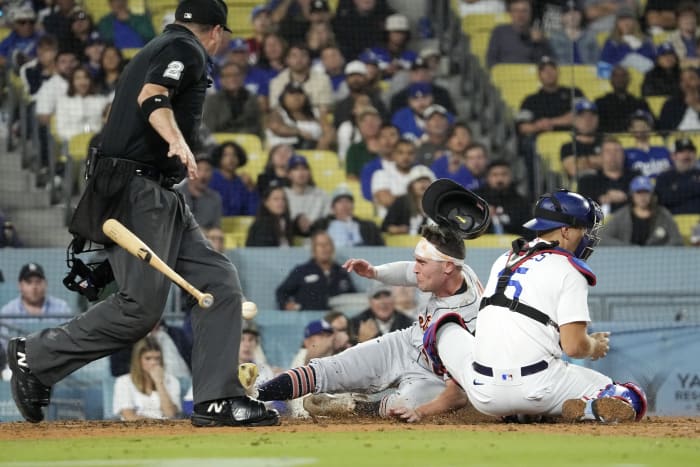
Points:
(146, 147)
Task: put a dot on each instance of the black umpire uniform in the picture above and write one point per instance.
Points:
(176, 60)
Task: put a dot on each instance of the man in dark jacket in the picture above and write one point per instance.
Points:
(380, 318)
(343, 227)
(616, 107)
(309, 286)
(678, 188)
(509, 209)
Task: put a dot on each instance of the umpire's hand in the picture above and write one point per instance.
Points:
(180, 149)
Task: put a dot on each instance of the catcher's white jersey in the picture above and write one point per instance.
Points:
(395, 359)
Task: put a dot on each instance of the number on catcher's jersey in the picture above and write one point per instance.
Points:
(174, 70)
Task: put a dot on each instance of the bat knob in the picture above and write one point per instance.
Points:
(206, 300)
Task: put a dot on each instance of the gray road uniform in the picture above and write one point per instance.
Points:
(396, 359)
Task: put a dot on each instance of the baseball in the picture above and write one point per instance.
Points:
(249, 310)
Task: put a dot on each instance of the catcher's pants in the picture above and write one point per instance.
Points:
(541, 393)
(370, 367)
(159, 217)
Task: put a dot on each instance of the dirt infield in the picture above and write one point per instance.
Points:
(652, 427)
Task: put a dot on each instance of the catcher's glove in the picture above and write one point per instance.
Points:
(247, 374)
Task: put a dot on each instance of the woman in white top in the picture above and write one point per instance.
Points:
(294, 122)
(80, 110)
(147, 391)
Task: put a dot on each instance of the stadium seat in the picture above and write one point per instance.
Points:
(4, 32)
(548, 146)
(401, 240)
(236, 230)
(627, 140)
(636, 80)
(515, 82)
(492, 241)
(325, 169)
(129, 53)
(363, 209)
(656, 103)
(686, 222)
(78, 146)
(479, 23)
(479, 44)
(660, 37)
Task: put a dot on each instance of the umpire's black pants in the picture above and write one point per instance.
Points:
(161, 219)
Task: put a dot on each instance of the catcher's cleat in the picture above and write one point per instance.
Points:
(237, 411)
(247, 375)
(329, 404)
(606, 410)
(29, 393)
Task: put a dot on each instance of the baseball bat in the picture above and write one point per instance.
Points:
(134, 245)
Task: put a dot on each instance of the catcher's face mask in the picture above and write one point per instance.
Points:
(451, 205)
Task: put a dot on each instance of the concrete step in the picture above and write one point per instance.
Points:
(42, 227)
(17, 181)
(12, 199)
(10, 162)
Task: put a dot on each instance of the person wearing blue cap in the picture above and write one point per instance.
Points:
(642, 222)
(410, 120)
(583, 154)
(642, 156)
(664, 78)
(615, 107)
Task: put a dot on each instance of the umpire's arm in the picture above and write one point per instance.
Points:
(162, 119)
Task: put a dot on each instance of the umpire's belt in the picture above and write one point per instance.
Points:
(141, 170)
(524, 371)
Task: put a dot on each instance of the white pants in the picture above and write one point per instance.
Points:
(541, 393)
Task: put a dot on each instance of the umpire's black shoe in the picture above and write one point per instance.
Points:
(29, 393)
(237, 411)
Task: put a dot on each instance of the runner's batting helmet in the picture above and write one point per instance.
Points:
(451, 205)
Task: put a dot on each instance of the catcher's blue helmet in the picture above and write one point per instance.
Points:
(566, 208)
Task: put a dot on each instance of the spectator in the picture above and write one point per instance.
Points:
(369, 123)
(664, 78)
(601, 14)
(583, 154)
(374, 74)
(642, 222)
(395, 55)
(616, 107)
(406, 300)
(39, 70)
(387, 138)
(262, 26)
(333, 64)
(19, 46)
(695, 235)
(307, 202)
(436, 134)
(517, 42)
(80, 109)
(420, 73)
(318, 342)
(8, 234)
(112, 63)
(477, 162)
(238, 194)
(391, 182)
(148, 391)
(409, 120)
(290, 17)
(319, 38)
(234, 109)
(680, 112)
(343, 227)
(380, 318)
(272, 225)
(685, 37)
(356, 82)
(295, 122)
(81, 30)
(92, 54)
(573, 43)
(642, 157)
(275, 172)
(349, 131)
(204, 202)
(250, 350)
(314, 83)
(662, 15)
(452, 163)
(627, 45)
(59, 19)
(405, 215)
(360, 25)
(339, 322)
(509, 209)
(270, 64)
(678, 188)
(216, 238)
(608, 185)
(309, 285)
(549, 108)
(33, 299)
(125, 29)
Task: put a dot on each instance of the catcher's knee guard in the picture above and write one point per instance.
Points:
(430, 340)
(629, 392)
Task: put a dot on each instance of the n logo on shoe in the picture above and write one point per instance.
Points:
(22, 359)
(216, 407)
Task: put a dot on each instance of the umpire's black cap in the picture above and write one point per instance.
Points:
(213, 12)
(451, 205)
